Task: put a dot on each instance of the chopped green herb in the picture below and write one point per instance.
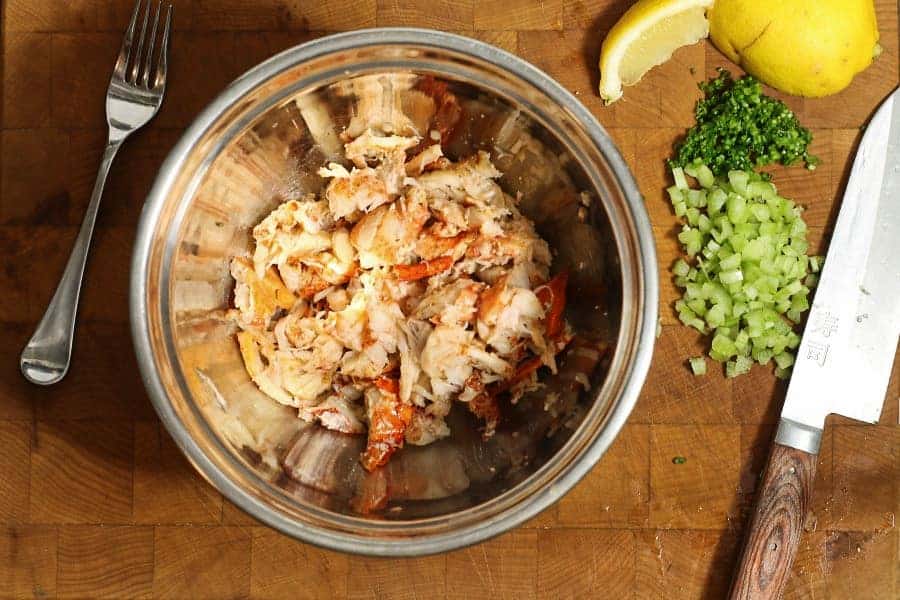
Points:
(679, 460)
(740, 128)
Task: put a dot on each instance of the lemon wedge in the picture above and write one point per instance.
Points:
(646, 36)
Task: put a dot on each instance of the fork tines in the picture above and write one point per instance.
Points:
(135, 63)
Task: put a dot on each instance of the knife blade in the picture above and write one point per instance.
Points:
(845, 357)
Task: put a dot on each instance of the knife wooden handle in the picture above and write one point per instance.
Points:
(771, 543)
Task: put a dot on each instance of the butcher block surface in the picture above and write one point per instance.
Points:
(96, 500)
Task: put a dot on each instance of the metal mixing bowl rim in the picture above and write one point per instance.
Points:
(632, 380)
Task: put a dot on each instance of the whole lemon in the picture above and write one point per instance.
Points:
(803, 47)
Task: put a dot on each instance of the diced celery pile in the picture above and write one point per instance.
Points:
(748, 277)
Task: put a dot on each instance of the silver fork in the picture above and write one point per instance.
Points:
(134, 96)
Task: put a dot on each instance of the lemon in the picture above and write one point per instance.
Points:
(802, 47)
(646, 36)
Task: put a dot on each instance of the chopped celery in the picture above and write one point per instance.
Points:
(731, 262)
(698, 365)
(692, 240)
(696, 198)
(715, 200)
(705, 177)
(712, 249)
(693, 215)
(703, 223)
(723, 346)
(762, 355)
(760, 212)
(814, 263)
(800, 302)
(738, 180)
(675, 194)
(729, 277)
(738, 366)
(680, 180)
(715, 316)
(698, 305)
(761, 189)
(742, 340)
(736, 207)
(748, 277)
(784, 360)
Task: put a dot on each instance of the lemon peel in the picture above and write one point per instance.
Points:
(646, 36)
(806, 47)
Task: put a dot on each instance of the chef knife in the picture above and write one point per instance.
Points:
(844, 361)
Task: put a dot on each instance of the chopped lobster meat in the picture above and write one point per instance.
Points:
(553, 296)
(524, 370)
(388, 420)
(482, 403)
(411, 282)
(388, 385)
(448, 112)
(485, 407)
(423, 269)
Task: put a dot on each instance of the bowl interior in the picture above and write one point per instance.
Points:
(260, 145)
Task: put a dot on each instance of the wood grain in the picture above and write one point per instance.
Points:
(755, 443)
(81, 472)
(860, 564)
(671, 385)
(403, 579)
(578, 563)
(28, 561)
(191, 562)
(519, 14)
(166, 489)
(104, 384)
(26, 80)
(285, 568)
(105, 562)
(16, 396)
(684, 563)
(776, 526)
(867, 477)
(33, 182)
(437, 14)
(293, 15)
(503, 568)
(700, 491)
(95, 499)
(26, 15)
(15, 439)
(616, 493)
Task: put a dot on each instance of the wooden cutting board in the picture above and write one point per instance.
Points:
(95, 500)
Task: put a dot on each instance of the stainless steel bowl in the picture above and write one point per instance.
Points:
(259, 143)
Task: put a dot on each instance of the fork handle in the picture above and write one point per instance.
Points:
(45, 359)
